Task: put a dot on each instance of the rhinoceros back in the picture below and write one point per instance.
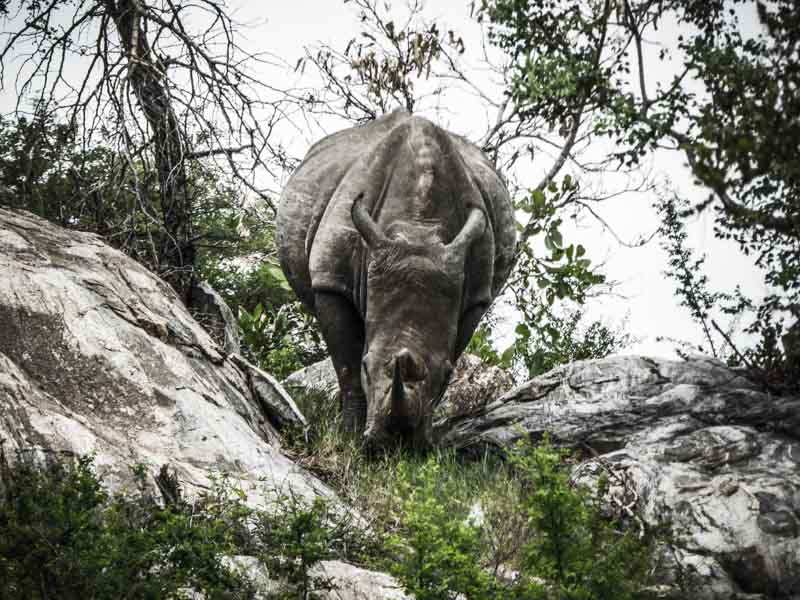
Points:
(319, 248)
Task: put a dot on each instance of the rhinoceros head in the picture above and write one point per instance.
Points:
(415, 285)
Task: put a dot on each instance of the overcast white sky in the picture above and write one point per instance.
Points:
(645, 297)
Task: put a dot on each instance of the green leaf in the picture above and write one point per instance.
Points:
(277, 274)
(538, 199)
(523, 331)
(257, 312)
(508, 355)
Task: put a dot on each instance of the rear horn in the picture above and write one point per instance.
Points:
(472, 230)
(364, 223)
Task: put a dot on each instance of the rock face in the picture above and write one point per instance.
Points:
(691, 445)
(210, 309)
(98, 355)
(319, 378)
(346, 581)
(355, 583)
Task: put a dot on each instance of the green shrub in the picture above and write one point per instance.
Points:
(438, 551)
(532, 519)
(295, 533)
(279, 339)
(65, 537)
(574, 552)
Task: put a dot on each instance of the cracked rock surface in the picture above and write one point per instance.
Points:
(691, 445)
(346, 581)
(99, 355)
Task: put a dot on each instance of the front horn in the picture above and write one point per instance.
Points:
(364, 223)
(472, 230)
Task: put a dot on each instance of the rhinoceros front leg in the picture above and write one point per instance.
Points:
(343, 331)
(469, 322)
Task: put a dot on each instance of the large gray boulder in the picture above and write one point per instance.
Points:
(319, 379)
(343, 581)
(354, 583)
(97, 355)
(693, 446)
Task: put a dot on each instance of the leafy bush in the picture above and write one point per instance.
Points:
(295, 534)
(566, 549)
(277, 333)
(765, 352)
(280, 341)
(438, 550)
(446, 526)
(574, 552)
(65, 537)
(546, 338)
(547, 291)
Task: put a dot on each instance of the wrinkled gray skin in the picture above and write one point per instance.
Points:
(396, 235)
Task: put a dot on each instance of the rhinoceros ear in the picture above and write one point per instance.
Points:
(472, 230)
(364, 223)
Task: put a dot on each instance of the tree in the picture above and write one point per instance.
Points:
(164, 83)
(46, 170)
(743, 90)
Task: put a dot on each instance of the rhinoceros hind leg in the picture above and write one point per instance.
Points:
(343, 331)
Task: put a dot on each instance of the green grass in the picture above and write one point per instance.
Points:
(515, 506)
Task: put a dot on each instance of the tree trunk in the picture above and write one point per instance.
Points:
(148, 79)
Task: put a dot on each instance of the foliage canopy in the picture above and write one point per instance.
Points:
(729, 104)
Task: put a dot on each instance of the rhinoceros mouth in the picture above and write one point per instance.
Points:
(398, 431)
(396, 427)
(400, 426)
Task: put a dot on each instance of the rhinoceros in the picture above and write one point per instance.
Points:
(396, 235)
